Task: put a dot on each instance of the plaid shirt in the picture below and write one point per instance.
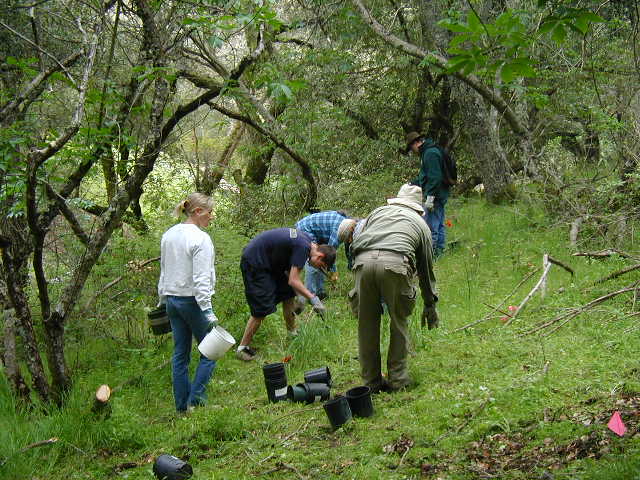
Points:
(322, 227)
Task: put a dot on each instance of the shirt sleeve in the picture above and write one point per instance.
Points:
(424, 265)
(203, 271)
(299, 254)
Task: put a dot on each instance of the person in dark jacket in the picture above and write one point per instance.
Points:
(435, 192)
(271, 264)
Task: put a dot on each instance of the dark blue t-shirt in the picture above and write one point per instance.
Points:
(278, 249)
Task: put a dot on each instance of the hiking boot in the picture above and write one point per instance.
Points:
(380, 387)
(246, 354)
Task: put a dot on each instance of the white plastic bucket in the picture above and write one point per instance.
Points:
(216, 343)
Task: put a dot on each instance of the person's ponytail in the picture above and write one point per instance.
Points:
(195, 200)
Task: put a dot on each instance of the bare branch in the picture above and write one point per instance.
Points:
(438, 60)
(40, 49)
(618, 273)
(67, 213)
(306, 169)
(9, 108)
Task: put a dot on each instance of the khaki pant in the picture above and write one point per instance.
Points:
(383, 276)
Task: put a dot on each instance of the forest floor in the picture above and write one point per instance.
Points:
(491, 401)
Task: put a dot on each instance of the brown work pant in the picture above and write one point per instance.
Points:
(383, 276)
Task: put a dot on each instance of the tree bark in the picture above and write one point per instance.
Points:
(482, 135)
(15, 279)
(10, 358)
(214, 173)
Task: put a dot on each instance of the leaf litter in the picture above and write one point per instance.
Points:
(522, 451)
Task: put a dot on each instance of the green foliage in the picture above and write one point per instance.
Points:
(505, 44)
(480, 382)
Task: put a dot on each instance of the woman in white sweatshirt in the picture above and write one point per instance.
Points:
(187, 281)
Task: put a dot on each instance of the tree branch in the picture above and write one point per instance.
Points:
(304, 166)
(474, 82)
(67, 213)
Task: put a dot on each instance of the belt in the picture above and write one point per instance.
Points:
(382, 253)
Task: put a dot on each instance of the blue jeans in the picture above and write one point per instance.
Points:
(435, 221)
(313, 279)
(187, 321)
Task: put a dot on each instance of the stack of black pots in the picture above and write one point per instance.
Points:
(317, 388)
(275, 379)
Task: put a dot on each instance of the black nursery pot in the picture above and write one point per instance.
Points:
(360, 402)
(308, 392)
(159, 321)
(168, 467)
(275, 379)
(338, 411)
(318, 375)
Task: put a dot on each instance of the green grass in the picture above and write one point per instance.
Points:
(488, 397)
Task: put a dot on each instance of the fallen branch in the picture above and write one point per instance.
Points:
(41, 443)
(541, 283)
(560, 264)
(547, 262)
(572, 313)
(605, 253)
(138, 266)
(618, 274)
(495, 309)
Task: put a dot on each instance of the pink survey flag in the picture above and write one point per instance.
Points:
(616, 425)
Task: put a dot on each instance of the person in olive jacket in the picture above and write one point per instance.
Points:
(435, 192)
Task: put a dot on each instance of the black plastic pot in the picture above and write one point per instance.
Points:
(359, 399)
(308, 392)
(168, 467)
(275, 379)
(159, 321)
(318, 375)
(338, 411)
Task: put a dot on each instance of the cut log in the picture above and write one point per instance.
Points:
(101, 404)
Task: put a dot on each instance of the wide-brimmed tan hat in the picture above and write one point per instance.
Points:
(345, 229)
(409, 196)
(410, 138)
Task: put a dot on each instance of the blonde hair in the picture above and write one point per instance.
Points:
(195, 200)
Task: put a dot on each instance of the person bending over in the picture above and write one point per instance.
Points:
(271, 264)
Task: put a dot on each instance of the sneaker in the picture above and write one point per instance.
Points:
(246, 354)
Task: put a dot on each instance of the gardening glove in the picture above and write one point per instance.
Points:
(430, 317)
(333, 277)
(211, 318)
(318, 307)
(428, 204)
